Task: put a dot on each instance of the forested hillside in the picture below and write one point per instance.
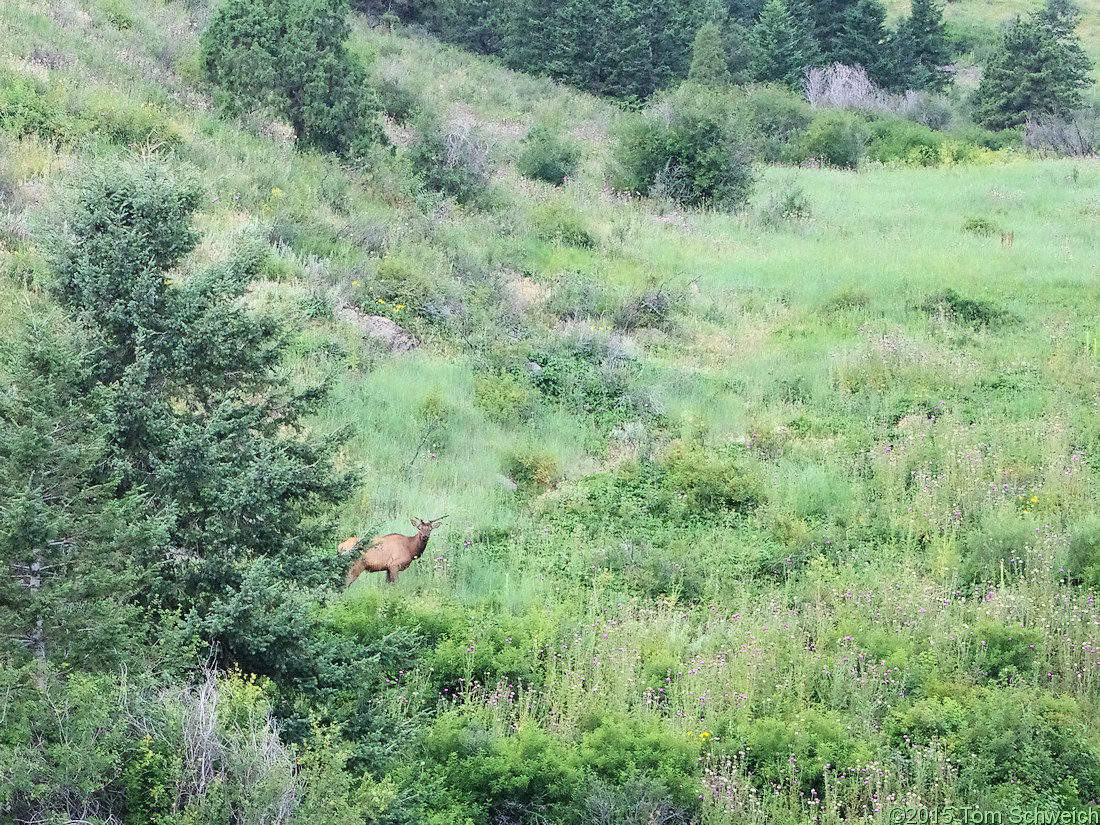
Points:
(756, 397)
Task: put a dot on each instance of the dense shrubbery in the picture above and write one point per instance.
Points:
(835, 139)
(548, 156)
(685, 486)
(289, 57)
(453, 161)
(689, 147)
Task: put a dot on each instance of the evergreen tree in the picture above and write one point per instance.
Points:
(1060, 18)
(921, 49)
(784, 47)
(289, 56)
(623, 68)
(67, 541)
(708, 60)
(1038, 70)
(827, 20)
(740, 48)
(536, 35)
(863, 41)
(195, 416)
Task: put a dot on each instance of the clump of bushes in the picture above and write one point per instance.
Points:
(453, 161)
(901, 141)
(684, 486)
(398, 102)
(987, 725)
(589, 373)
(976, 313)
(776, 119)
(652, 308)
(1083, 553)
(688, 146)
(547, 156)
(848, 298)
(620, 769)
(558, 223)
(532, 470)
(505, 397)
(835, 139)
(789, 205)
(977, 225)
(577, 295)
(25, 109)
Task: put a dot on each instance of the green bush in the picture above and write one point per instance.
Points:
(978, 225)
(1011, 745)
(688, 146)
(782, 752)
(547, 156)
(652, 308)
(506, 397)
(776, 118)
(848, 298)
(1004, 652)
(27, 109)
(588, 373)
(558, 223)
(402, 283)
(621, 748)
(902, 141)
(835, 139)
(972, 312)
(454, 162)
(1083, 553)
(490, 777)
(685, 486)
(132, 125)
(577, 295)
(118, 13)
(401, 104)
(785, 207)
(532, 470)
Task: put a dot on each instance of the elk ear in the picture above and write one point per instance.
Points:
(416, 523)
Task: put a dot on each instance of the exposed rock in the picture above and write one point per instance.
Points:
(381, 329)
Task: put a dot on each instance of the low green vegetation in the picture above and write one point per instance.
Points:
(766, 433)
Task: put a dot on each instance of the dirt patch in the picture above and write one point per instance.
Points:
(524, 291)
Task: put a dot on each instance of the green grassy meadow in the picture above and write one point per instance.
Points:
(814, 538)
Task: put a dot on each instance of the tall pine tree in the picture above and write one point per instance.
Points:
(784, 46)
(709, 66)
(921, 49)
(196, 415)
(1039, 69)
(863, 41)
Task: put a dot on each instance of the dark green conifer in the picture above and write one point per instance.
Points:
(709, 66)
(784, 47)
(288, 56)
(1038, 70)
(921, 50)
(863, 41)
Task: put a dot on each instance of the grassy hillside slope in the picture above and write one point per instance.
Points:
(751, 517)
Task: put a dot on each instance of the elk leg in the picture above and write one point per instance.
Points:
(391, 575)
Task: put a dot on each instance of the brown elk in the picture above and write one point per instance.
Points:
(392, 553)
